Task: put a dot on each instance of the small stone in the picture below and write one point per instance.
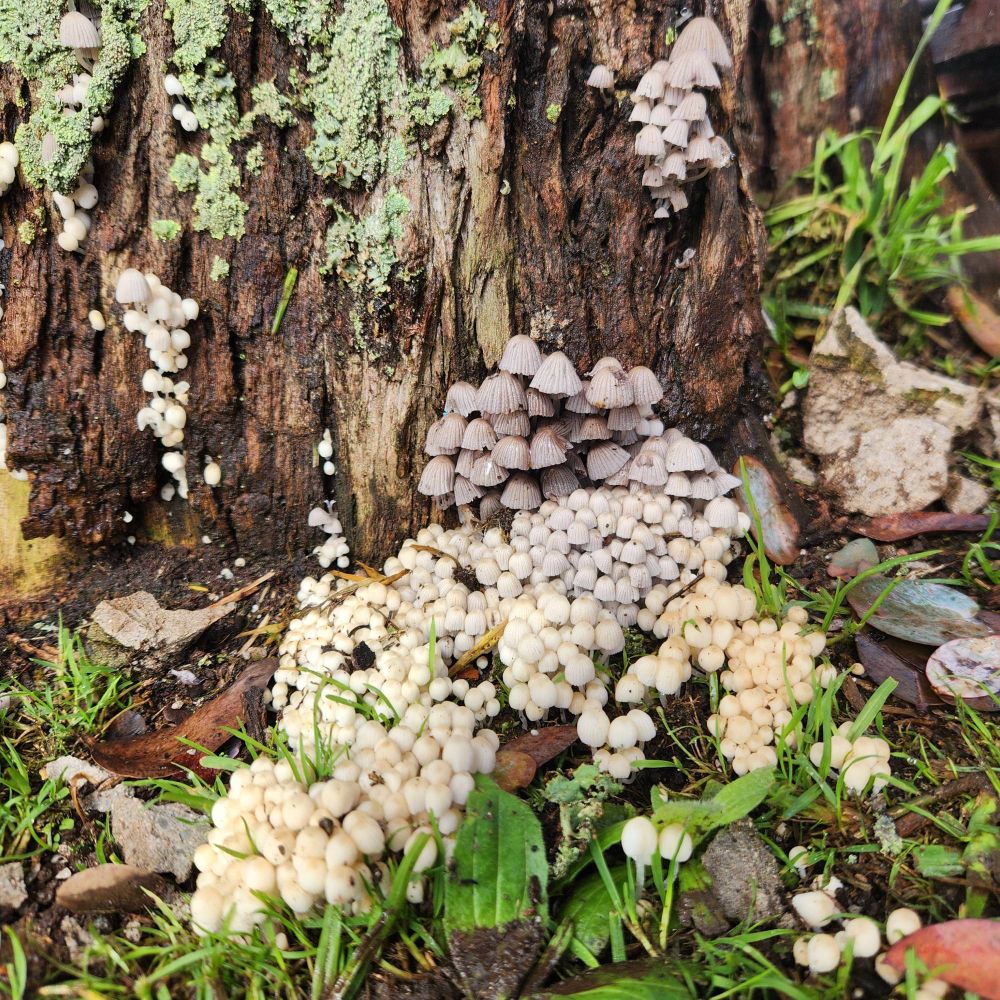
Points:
(109, 889)
(965, 496)
(12, 890)
(159, 838)
(67, 768)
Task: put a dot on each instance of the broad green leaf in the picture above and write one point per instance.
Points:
(500, 871)
(732, 802)
(588, 909)
(938, 860)
(649, 979)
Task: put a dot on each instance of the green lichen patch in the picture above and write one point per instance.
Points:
(220, 269)
(26, 232)
(255, 159)
(456, 66)
(29, 39)
(362, 251)
(552, 112)
(184, 172)
(270, 103)
(166, 229)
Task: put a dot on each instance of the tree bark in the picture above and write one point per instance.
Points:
(517, 224)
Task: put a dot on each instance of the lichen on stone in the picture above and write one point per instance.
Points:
(166, 229)
(362, 251)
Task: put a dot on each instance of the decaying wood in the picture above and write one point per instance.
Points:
(518, 224)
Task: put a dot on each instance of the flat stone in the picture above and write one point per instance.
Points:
(158, 838)
(966, 496)
(138, 625)
(12, 890)
(883, 429)
(745, 876)
(110, 889)
(68, 767)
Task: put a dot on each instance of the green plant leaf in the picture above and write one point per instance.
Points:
(500, 871)
(648, 979)
(731, 802)
(589, 907)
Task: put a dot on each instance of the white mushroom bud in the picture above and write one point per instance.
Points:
(901, 923)
(823, 953)
(639, 842)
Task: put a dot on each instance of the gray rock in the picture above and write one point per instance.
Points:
(966, 496)
(136, 624)
(12, 890)
(110, 889)
(157, 838)
(67, 768)
(882, 428)
(745, 875)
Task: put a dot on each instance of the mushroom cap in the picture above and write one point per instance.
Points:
(675, 166)
(518, 423)
(132, 287)
(722, 512)
(601, 77)
(702, 34)
(692, 108)
(444, 436)
(623, 418)
(486, 471)
(558, 481)
(685, 456)
(77, 31)
(703, 487)
(466, 459)
(605, 459)
(540, 404)
(673, 95)
(557, 376)
(657, 445)
(661, 114)
(466, 491)
(521, 492)
(479, 435)
(678, 485)
(649, 469)
(651, 85)
(652, 176)
(438, 477)
(50, 146)
(691, 69)
(646, 388)
(676, 133)
(489, 506)
(663, 212)
(649, 142)
(461, 398)
(678, 199)
(500, 393)
(724, 482)
(512, 452)
(548, 447)
(521, 356)
(722, 155)
(641, 111)
(699, 150)
(579, 403)
(609, 389)
(594, 428)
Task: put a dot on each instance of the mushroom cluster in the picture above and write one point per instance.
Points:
(74, 211)
(863, 760)
(536, 430)
(72, 97)
(641, 839)
(325, 452)
(9, 159)
(162, 316)
(676, 142)
(334, 551)
(181, 112)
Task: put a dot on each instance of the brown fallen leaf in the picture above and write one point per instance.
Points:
(161, 754)
(965, 953)
(901, 660)
(896, 527)
(779, 527)
(541, 745)
(110, 889)
(977, 317)
(514, 769)
(968, 669)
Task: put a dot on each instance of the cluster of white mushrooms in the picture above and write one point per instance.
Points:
(677, 142)
(161, 315)
(542, 431)
(863, 760)
(641, 839)
(9, 160)
(334, 551)
(824, 951)
(182, 114)
(74, 211)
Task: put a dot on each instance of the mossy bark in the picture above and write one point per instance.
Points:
(517, 224)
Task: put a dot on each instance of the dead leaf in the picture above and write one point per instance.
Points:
(514, 770)
(854, 558)
(896, 527)
(779, 528)
(977, 317)
(967, 669)
(110, 889)
(882, 660)
(161, 754)
(128, 723)
(545, 743)
(965, 953)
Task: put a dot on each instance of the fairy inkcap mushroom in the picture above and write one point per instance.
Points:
(557, 376)
(438, 477)
(602, 79)
(702, 34)
(461, 397)
(77, 31)
(132, 287)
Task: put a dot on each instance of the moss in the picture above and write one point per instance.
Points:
(362, 251)
(220, 269)
(353, 82)
(26, 232)
(166, 229)
(552, 112)
(29, 39)
(457, 66)
(184, 172)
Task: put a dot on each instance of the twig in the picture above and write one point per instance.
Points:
(249, 588)
(968, 784)
(488, 641)
(49, 653)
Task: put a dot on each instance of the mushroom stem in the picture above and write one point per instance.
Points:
(640, 878)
